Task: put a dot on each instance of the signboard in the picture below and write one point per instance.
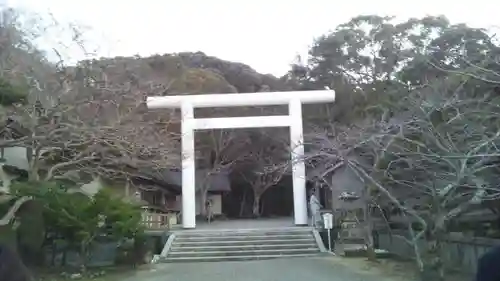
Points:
(328, 220)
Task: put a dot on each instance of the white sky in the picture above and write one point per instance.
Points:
(267, 35)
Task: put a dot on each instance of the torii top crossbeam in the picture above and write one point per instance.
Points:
(244, 99)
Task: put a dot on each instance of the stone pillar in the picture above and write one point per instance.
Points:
(188, 167)
(298, 166)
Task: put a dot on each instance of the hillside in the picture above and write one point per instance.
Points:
(182, 73)
(130, 79)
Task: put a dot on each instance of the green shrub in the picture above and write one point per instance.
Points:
(80, 219)
(11, 94)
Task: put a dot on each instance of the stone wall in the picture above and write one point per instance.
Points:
(459, 252)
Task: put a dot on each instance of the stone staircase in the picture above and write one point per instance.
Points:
(240, 245)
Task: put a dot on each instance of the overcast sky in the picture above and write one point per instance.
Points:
(267, 35)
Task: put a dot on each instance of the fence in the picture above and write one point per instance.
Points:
(102, 254)
(458, 251)
(155, 220)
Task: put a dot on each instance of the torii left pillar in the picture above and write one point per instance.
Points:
(188, 167)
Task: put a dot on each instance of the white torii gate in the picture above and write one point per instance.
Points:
(293, 120)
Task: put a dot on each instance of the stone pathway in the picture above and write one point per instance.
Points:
(300, 269)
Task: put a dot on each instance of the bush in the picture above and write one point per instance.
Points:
(81, 220)
(11, 94)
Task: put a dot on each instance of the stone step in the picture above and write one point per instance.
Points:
(243, 252)
(245, 232)
(232, 258)
(183, 238)
(237, 234)
(238, 247)
(253, 244)
(210, 243)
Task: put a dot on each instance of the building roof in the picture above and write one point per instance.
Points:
(218, 182)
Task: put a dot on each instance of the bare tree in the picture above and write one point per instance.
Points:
(266, 164)
(68, 137)
(221, 149)
(73, 120)
(435, 159)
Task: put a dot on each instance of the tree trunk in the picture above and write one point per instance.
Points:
(370, 247)
(368, 224)
(243, 202)
(33, 173)
(127, 188)
(203, 201)
(256, 205)
(33, 162)
(433, 268)
(84, 255)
